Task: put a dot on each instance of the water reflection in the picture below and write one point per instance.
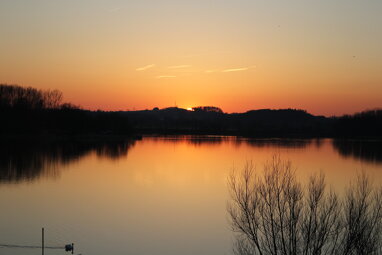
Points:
(281, 143)
(368, 151)
(28, 161)
(198, 140)
(169, 192)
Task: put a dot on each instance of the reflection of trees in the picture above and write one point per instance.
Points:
(196, 140)
(275, 214)
(114, 150)
(216, 140)
(282, 143)
(208, 140)
(370, 151)
(27, 161)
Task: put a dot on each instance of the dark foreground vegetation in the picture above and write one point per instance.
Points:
(30, 111)
(275, 214)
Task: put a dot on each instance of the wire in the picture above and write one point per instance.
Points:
(30, 246)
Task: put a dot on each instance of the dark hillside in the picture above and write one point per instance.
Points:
(29, 111)
(260, 123)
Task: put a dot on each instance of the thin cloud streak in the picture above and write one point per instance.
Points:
(165, 76)
(179, 66)
(144, 68)
(235, 70)
(238, 69)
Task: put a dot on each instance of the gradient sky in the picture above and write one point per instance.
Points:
(323, 56)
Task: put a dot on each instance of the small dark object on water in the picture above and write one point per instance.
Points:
(69, 247)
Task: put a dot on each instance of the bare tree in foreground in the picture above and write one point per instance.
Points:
(275, 214)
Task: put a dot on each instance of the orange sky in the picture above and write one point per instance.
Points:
(238, 55)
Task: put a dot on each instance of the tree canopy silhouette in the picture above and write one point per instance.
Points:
(207, 109)
(31, 111)
(17, 97)
(275, 214)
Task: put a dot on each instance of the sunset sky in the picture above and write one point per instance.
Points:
(323, 56)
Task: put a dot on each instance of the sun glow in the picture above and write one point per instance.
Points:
(194, 53)
(189, 109)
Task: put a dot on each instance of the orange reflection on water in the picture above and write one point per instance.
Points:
(160, 195)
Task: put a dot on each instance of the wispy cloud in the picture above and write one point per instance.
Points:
(179, 66)
(237, 69)
(165, 76)
(144, 68)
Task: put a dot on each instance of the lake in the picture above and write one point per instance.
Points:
(158, 195)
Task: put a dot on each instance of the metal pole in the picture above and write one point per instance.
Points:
(72, 248)
(42, 241)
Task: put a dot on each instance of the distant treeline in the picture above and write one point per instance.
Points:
(33, 111)
(260, 123)
(363, 124)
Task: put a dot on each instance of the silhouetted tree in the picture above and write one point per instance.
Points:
(362, 216)
(17, 97)
(52, 99)
(12, 96)
(32, 111)
(274, 214)
(207, 109)
(70, 106)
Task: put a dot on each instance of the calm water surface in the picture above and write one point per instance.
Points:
(158, 195)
